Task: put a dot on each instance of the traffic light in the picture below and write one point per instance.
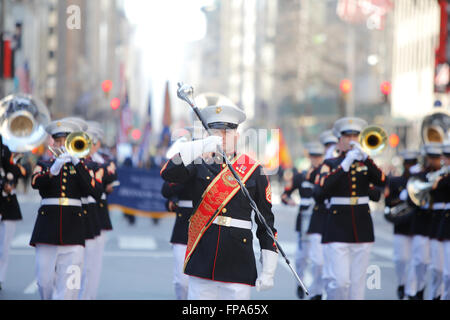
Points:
(115, 103)
(106, 87)
(394, 140)
(385, 88)
(345, 86)
(136, 134)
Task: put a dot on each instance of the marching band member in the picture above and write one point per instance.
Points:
(348, 234)
(402, 223)
(91, 218)
(420, 229)
(9, 208)
(219, 257)
(308, 246)
(439, 196)
(105, 174)
(179, 200)
(58, 234)
(443, 231)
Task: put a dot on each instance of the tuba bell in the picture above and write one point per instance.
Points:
(78, 144)
(435, 126)
(419, 190)
(22, 122)
(373, 140)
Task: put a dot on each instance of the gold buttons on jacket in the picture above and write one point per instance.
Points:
(85, 211)
(101, 205)
(353, 172)
(334, 211)
(79, 214)
(64, 174)
(224, 165)
(353, 179)
(42, 212)
(207, 178)
(63, 194)
(353, 186)
(244, 240)
(179, 214)
(64, 179)
(353, 193)
(63, 187)
(224, 210)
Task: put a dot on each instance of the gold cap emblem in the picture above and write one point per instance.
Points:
(58, 124)
(218, 110)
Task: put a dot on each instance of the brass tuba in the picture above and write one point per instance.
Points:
(373, 140)
(419, 190)
(22, 122)
(435, 126)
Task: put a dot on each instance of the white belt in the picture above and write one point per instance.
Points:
(348, 200)
(185, 203)
(13, 191)
(436, 206)
(61, 202)
(306, 201)
(307, 184)
(88, 199)
(230, 222)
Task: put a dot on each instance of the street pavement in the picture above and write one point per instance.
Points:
(137, 263)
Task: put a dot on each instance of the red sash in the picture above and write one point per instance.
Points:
(216, 196)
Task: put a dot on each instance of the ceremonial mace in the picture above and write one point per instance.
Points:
(185, 93)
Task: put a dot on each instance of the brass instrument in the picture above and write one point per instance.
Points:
(77, 144)
(23, 119)
(419, 190)
(435, 126)
(373, 140)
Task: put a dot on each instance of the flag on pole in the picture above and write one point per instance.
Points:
(126, 121)
(145, 143)
(277, 153)
(167, 120)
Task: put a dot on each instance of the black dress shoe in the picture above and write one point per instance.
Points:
(316, 297)
(437, 298)
(419, 294)
(300, 292)
(401, 292)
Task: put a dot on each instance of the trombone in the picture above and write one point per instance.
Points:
(77, 144)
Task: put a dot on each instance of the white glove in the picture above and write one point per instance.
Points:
(269, 265)
(329, 153)
(415, 169)
(58, 164)
(403, 195)
(358, 147)
(75, 160)
(175, 147)
(189, 151)
(350, 157)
